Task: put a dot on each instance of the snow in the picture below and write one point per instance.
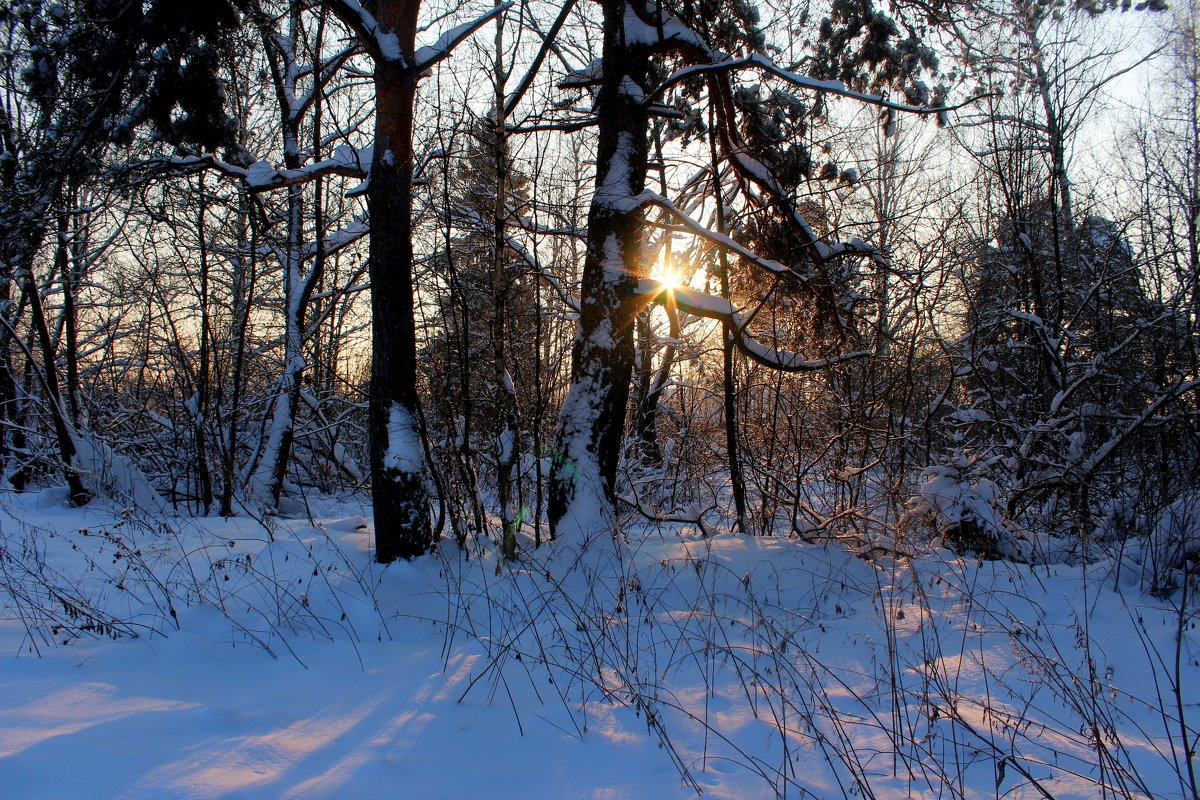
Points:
(762, 62)
(968, 415)
(290, 665)
(951, 501)
(613, 190)
(113, 474)
(385, 43)
(261, 176)
(506, 445)
(640, 33)
(260, 480)
(404, 453)
(429, 55)
(589, 515)
(630, 89)
(589, 75)
(700, 304)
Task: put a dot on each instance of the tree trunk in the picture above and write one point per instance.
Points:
(12, 445)
(507, 442)
(58, 414)
(269, 474)
(244, 290)
(651, 382)
(268, 478)
(200, 412)
(66, 247)
(22, 232)
(592, 426)
(401, 507)
(728, 383)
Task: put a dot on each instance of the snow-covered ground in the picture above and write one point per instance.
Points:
(232, 658)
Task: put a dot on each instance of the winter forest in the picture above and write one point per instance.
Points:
(600, 398)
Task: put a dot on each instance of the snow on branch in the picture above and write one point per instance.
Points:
(719, 239)
(761, 62)
(754, 170)
(591, 74)
(704, 305)
(382, 45)
(693, 516)
(322, 74)
(659, 31)
(351, 162)
(517, 220)
(716, 67)
(1083, 467)
(534, 264)
(340, 239)
(854, 246)
(429, 55)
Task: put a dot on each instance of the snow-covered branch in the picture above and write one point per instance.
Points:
(665, 29)
(1084, 467)
(704, 305)
(382, 45)
(517, 220)
(531, 260)
(429, 55)
(347, 161)
(761, 62)
(853, 247)
(339, 240)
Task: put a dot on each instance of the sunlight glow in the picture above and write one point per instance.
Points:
(671, 280)
(669, 268)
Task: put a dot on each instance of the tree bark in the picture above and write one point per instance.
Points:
(728, 382)
(58, 415)
(401, 504)
(244, 290)
(508, 440)
(269, 474)
(592, 426)
(199, 414)
(67, 247)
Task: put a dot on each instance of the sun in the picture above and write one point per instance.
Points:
(671, 280)
(669, 269)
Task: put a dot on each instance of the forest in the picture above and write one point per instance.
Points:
(638, 398)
